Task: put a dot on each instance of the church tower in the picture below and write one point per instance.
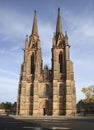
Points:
(30, 71)
(63, 77)
(44, 91)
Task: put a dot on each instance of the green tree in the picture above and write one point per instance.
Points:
(9, 106)
(6, 105)
(2, 105)
(13, 110)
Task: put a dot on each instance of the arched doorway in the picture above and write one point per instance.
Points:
(45, 107)
(44, 111)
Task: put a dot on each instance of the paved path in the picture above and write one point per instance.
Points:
(66, 123)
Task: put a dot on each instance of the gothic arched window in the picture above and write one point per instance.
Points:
(31, 90)
(32, 64)
(47, 90)
(61, 90)
(60, 62)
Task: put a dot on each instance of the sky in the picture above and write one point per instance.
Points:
(16, 19)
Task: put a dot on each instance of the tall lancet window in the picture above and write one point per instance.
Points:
(31, 90)
(61, 62)
(32, 64)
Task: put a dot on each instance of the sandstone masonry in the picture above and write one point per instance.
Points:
(43, 91)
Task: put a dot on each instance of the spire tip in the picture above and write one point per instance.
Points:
(65, 32)
(59, 9)
(59, 23)
(26, 37)
(34, 27)
(35, 12)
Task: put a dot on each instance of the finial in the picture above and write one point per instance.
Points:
(35, 12)
(59, 23)
(66, 38)
(58, 9)
(26, 37)
(66, 34)
(34, 27)
(26, 42)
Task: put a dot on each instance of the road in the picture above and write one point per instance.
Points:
(9, 123)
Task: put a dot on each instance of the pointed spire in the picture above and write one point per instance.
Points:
(35, 28)
(26, 37)
(66, 34)
(26, 42)
(59, 23)
(66, 38)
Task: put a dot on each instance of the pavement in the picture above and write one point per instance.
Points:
(53, 117)
(46, 123)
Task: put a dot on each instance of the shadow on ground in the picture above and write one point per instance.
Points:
(9, 123)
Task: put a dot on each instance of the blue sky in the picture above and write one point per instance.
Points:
(16, 17)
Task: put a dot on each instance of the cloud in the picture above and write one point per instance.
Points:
(7, 72)
(79, 94)
(13, 25)
(81, 38)
(8, 88)
(11, 55)
(46, 35)
(13, 28)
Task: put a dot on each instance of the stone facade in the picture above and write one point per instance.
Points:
(42, 91)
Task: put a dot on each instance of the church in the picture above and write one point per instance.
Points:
(43, 91)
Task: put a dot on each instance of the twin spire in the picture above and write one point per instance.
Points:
(35, 27)
(58, 25)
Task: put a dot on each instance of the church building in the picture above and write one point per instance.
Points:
(43, 91)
